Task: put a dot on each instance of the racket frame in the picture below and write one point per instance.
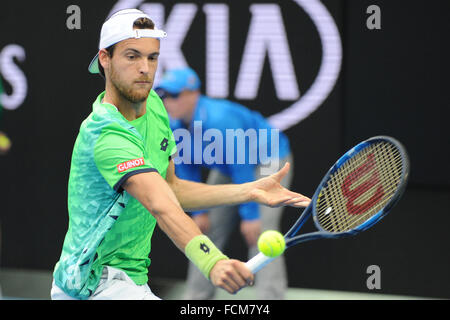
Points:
(260, 260)
(290, 237)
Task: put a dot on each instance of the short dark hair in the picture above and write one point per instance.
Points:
(140, 23)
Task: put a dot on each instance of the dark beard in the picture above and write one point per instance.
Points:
(127, 93)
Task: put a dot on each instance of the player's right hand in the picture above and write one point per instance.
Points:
(231, 275)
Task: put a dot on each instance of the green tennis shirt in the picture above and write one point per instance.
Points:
(108, 227)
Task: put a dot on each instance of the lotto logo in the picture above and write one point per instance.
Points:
(130, 164)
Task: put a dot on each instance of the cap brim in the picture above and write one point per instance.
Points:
(93, 66)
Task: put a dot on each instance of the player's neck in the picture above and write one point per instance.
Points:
(131, 111)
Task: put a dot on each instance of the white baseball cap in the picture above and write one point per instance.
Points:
(120, 27)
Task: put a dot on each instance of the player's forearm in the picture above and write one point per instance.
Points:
(152, 191)
(199, 196)
(177, 225)
(156, 196)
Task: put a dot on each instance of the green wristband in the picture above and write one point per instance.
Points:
(203, 253)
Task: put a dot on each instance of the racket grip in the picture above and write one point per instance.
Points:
(258, 262)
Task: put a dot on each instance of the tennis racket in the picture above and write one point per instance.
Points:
(357, 191)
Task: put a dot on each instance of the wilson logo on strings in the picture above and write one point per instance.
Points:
(352, 194)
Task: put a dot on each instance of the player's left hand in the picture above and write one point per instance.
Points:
(268, 191)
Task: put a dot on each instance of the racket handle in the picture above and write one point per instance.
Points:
(258, 262)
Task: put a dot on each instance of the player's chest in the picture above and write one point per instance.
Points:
(157, 147)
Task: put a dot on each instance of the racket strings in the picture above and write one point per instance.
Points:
(366, 197)
(360, 188)
(348, 221)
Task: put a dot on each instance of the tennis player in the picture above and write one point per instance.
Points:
(122, 181)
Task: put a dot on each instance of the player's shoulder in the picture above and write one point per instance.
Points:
(104, 120)
(103, 113)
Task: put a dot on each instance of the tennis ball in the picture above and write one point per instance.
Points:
(5, 143)
(271, 243)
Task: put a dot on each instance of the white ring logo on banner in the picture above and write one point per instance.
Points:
(328, 72)
(184, 13)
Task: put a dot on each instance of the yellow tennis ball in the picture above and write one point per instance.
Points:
(4, 142)
(271, 243)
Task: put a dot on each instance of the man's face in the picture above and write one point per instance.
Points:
(132, 67)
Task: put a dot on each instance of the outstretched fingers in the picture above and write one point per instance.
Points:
(278, 176)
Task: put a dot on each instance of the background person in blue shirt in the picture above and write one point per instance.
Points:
(237, 145)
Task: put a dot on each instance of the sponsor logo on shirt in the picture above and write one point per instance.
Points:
(164, 144)
(130, 164)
